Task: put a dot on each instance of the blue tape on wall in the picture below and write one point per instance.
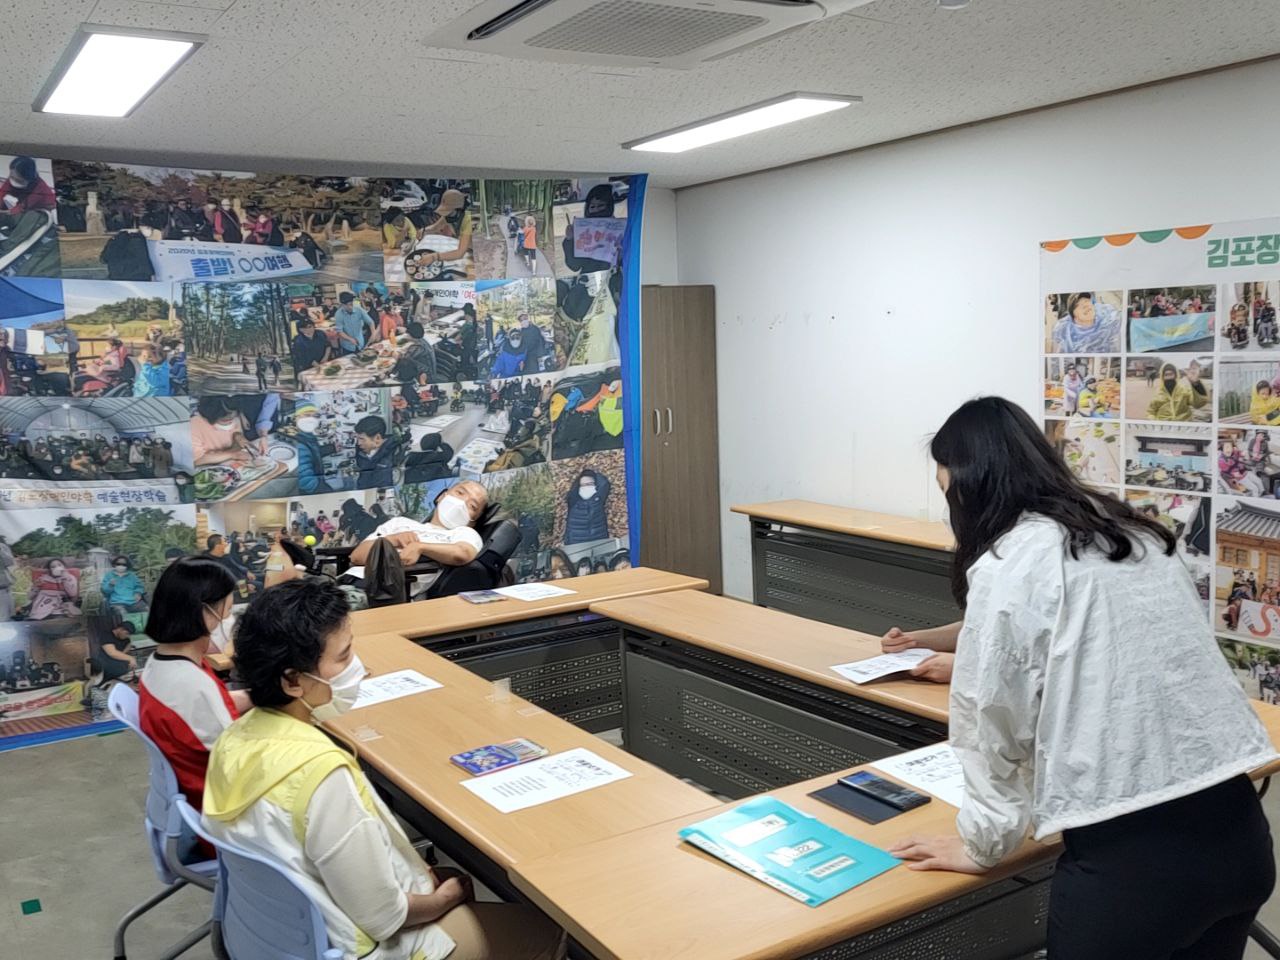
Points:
(629, 347)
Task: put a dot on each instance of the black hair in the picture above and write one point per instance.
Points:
(414, 329)
(183, 591)
(1002, 466)
(372, 426)
(469, 309)
(121, 558)
(173, 553)
(213, 540)
(283, 632)
(213, 408)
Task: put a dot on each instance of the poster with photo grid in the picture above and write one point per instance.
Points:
(1160, 362)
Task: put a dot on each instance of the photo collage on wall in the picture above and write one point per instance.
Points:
(1169, 397)
(187, 353)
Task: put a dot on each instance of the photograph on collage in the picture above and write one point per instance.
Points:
(586, 411)
(1176, 389)
(427, 228)
(528, 497)
(1249, 462)
(1189, 519)
(133, 222)
(346, 440)
(1247, 571)
(484, 427)
(1084, 322)
(59, 563)
(46, 670)
(238, 336)
(124, 339)
(591, 528)
(1256, 666)
(100, 452)
(243, 446)
(1249, 392)
(1251, 319)
(1171, 456)
(587, 318)
(1082, 386)
(38, 350)
(1180, 319)
(517, 327)
(1091, 449)
(28, 218)
(513, 229)
(589, 218)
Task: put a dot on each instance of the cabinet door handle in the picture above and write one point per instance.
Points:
(668, 420)
(657, 422)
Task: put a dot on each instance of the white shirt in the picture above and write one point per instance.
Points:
(426, 533)
(1084, 690)
(358, 868)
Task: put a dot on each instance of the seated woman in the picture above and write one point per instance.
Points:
(280, 788)
(55, 592)
(122, 588)
(182, 705)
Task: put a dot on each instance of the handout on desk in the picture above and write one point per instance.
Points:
(533, 591)
(541, 781)
(934, 770)
(393, 686)
(873, 668)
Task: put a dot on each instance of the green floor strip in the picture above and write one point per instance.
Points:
(29, 907)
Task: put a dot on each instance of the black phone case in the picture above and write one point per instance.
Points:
(864, 807)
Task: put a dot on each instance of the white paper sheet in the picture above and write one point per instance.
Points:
(934, 770)
(392, 686)
(533, 591)
(861, 671)
(542, 781)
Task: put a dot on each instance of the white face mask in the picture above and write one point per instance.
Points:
(586, 493)
(220, 635)
(228, 427)
(308, 424)
(344, 689)
(452, 513)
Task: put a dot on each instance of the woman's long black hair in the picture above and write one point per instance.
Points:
(1002, 466)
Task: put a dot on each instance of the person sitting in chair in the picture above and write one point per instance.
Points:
(448, 538)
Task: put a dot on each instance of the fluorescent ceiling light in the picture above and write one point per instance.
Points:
(108, 71)
(736, 123)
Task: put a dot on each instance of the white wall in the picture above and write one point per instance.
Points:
(861, 298)
(658, 262)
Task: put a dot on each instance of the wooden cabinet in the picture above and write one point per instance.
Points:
(680, 454)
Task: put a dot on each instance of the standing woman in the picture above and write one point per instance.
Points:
(1088, 698)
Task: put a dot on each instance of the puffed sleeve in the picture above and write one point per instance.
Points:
(995, 703)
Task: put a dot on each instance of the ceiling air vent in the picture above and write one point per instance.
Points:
(667, 33)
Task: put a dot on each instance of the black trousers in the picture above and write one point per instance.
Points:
(1180, 881)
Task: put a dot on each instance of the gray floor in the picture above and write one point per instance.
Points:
(70, 837)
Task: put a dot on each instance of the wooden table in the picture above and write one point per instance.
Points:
(646, 895)
(405, 745)
(854, 568)
(555, 652)
(743, 699)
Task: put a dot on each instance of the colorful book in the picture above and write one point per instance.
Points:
(498, 756)
(791, 851)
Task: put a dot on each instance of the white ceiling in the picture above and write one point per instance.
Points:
(350, 87)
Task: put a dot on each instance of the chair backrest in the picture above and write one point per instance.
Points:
(264, 914)
(162, 782)
(501, 538)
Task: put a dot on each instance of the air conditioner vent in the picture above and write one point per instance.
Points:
(627, 28)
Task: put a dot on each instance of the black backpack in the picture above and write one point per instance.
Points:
(384, 575)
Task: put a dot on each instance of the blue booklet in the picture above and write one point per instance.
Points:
(789, 850)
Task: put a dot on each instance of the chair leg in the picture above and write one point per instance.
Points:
(1265, 939)
(187, 942)
(138, 911)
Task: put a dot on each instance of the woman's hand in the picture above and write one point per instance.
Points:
(895, 641)
(936, 853)
(937, 669)
(454, 892)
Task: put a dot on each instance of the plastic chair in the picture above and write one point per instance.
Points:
(261, 913)
(164, 829)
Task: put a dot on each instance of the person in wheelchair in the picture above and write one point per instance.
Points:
(449, 538)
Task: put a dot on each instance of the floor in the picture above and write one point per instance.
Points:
(71, 838)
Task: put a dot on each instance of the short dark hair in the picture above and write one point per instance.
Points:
(372, 426)
(394, 213)
(121, 558)
(212, 541)
(284, 630)
(180, 597)
(414, 329)
(213, 408)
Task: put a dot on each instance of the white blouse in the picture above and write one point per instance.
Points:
(1085, 689)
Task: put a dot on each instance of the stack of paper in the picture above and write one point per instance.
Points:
(862, 671)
